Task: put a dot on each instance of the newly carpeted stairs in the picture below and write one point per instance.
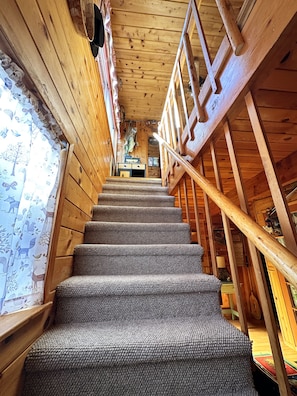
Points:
(138, 316)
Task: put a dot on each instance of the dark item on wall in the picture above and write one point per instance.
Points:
(82, 14)
(98, 40)
(94, 49)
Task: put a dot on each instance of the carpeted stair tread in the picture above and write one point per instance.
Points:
(137, 214)
(106, 298)
(117, 188)
(79, 345)
(139, 250)
(92, 285)
(136, 233)
(99, 259)
(134, 180)
(135, 200)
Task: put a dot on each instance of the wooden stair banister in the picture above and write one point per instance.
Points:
(281, 257)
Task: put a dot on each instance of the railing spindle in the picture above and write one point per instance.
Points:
(184, 102)
(275, 185)
(209, 225)
(232, 29)
(186, 200)
(193, 77)
(196, 211)
(204, 47)
(230, 248)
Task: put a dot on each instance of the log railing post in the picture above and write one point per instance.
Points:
(196, 212)
(180, 204)
(232, 29)
(184, 102)
(168, 140)
(193, 77)
(275, 185)
(230, 249)
(204, 47)
(177, 120)
(209, 226)
(186, 200)
(163, 156)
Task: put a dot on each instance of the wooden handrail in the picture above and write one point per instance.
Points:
(281, 257)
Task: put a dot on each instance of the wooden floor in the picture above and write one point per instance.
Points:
(258, 335)
(260, 345)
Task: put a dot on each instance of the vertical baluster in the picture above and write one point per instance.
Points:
(168, 139)
(164, 155)
(209, 226)
(184, 102)
(177, 120)
(230, 248)
(275, 185)
(204, 48)
(180, 204)
(171, 124)
(193, 77)
(196, 211)
(232, 29)
(186, 200)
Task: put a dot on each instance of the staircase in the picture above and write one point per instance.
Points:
(138, 316)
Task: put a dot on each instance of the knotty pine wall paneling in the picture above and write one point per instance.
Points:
(40, 37)
(43, 41)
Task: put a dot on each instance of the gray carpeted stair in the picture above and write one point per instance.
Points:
(136, 233)
(138, 317)
(136, 200)
(137, 214)
(137, 259)
(134, 189)
(127, 297)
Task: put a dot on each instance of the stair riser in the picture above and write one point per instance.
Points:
(137, 201)
(138, 190)
(134, 181)
(178, 378)
(129, 265)
(107, 308)
(137, 237)
(137, 215)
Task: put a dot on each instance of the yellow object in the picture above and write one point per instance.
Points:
(221, 262)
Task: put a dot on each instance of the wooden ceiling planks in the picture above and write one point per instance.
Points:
(146, 35)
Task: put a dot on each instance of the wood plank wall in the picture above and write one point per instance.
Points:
(40, 37)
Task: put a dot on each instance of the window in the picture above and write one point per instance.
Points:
(29, 170)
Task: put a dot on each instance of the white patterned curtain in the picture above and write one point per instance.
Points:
(29, 169)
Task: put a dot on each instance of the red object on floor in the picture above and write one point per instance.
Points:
(266, 362)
